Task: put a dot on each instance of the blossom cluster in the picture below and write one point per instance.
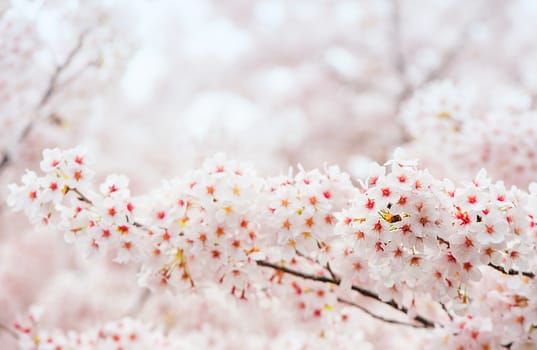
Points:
(128, 333)
(433, 237)
(285, 97)
(502, 315)
(454, 133)
(403, 235)
(214, 224)
(416, 237)
(122, 334)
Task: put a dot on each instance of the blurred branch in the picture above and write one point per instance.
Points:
(448, 58)
(398, 54)
(4, 161)
(94, 63)
(53, 81)
(533, 103)
(356, 86)
(5, 158)
(9, 331)
(139, 303)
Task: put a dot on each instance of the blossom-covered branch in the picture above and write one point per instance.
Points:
(336, 281)
(220, 224)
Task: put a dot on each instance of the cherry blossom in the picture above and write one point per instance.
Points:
(304, 238)
(338, 262)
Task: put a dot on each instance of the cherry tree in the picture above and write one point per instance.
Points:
(322, 258)
(311, 240)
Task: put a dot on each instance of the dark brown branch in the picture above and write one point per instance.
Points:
(443, 241)
(304, 275)
(425, 322)
(383, 319)
(496, 267)
(9, 331)
(5, 160)
(81, 196)
(330, 271)
(336, 278)
(511, 271)
(446, 310)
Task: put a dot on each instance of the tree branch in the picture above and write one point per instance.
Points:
(383, 319)
(511, 271)
(81, 196)
(5, 158)
(9, 331)
(139, 303)
(447, 60)
(446, 311)
(399, 58)
(420, 319)
(94, 63)
(53, 81)
(330, 271)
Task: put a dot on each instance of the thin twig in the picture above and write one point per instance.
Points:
(81, 196)
(511, 271)
(140, 302)
(49, 92)
(5, 160)
(9, 331)
(446, 310)
(297, 273)
(364, 291)
(95, 63)
(447, 60)
(399, 58)
(3, 12)
(85, 199)
(378, 317)
(425, 322)
(329, 269)
(53, 81)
